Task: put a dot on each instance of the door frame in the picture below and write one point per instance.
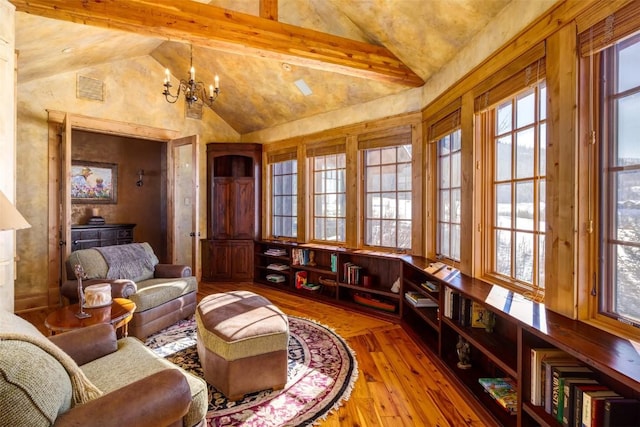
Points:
(61, 124)
(172, 204)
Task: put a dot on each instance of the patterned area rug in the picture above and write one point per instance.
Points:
(321, 372)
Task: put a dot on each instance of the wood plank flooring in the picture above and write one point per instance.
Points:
(398, 384)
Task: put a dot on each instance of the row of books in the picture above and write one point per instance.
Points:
(503, 391)
(418, 300)
(465, 311)
(351, 273)
(303, 257)
(572, 394)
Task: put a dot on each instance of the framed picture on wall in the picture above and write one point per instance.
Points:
(93, 182)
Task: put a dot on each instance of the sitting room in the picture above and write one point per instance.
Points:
(319, 212)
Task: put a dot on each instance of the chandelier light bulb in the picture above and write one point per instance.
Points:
(193, 90)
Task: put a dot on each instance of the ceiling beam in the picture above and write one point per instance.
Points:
(269, 9)
(230, 31)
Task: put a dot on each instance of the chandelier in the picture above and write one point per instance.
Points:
(193, 90)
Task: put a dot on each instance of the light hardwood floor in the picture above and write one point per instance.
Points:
(398, 383)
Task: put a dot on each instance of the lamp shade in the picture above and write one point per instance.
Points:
(10, 218)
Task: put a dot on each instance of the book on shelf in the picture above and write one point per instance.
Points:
(477, 315)
(451, 303)
(277, 266)
(593, 406)
(464, 312)
(557, 391)
(418, 300)
(547, 383)
(538, 356)
(430, 286)
(579, 391)
(275, 278)
(276, 252)
(621, 413)
(447, 273)
(334, 262)
(503, 391)
(568, 405)
(434, 267)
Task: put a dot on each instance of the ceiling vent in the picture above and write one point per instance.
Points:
(88, 88)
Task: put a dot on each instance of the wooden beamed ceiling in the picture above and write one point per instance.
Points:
(234, 32)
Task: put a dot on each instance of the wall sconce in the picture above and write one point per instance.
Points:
(140, 183)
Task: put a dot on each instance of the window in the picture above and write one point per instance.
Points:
(448, 216)
(516, 219)
(387, 174)
(329, 197)
(620, 182)
(284, 193)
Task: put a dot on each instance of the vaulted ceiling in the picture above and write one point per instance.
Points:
(346, 51)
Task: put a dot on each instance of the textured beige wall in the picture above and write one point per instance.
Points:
(7, 148)
(132, 94)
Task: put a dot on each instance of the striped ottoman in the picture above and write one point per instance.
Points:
(242, 343)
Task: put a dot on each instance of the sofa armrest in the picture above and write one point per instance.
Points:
(158, 400)
(120, 288)
(172, 270)
(87, 344)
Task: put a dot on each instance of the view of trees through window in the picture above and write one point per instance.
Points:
(388, 196)
(621, 182)
(448, 221)
(329, 197)
(519, 187)
(284, 191)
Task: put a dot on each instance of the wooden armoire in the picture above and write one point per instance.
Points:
(233, 210)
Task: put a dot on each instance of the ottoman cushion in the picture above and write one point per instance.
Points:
(242, 342)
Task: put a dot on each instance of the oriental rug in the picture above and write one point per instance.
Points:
(322, 370)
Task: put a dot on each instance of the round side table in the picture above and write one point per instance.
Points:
(118, 314)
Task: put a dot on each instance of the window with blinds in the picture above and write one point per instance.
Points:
(387, 191)
(513, 116)
(283, 175)
(610, 50)
(445, 134)
(327, 164)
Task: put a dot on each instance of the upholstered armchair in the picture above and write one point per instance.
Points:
(87, 377)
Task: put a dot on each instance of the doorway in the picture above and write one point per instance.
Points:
(61, 128)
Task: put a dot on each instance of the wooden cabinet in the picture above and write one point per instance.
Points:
(228, 260)
(500, 346)
(91, 236)
(233, 210)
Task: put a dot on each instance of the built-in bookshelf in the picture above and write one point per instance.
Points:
(482, 335)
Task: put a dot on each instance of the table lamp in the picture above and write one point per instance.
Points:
(10, 218)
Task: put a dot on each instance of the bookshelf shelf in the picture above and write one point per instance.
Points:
(517, 325)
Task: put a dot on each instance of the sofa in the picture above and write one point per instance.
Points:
(163, 293)
(87, 377)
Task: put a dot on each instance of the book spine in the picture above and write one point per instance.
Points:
(555, 394)
(586, 410)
